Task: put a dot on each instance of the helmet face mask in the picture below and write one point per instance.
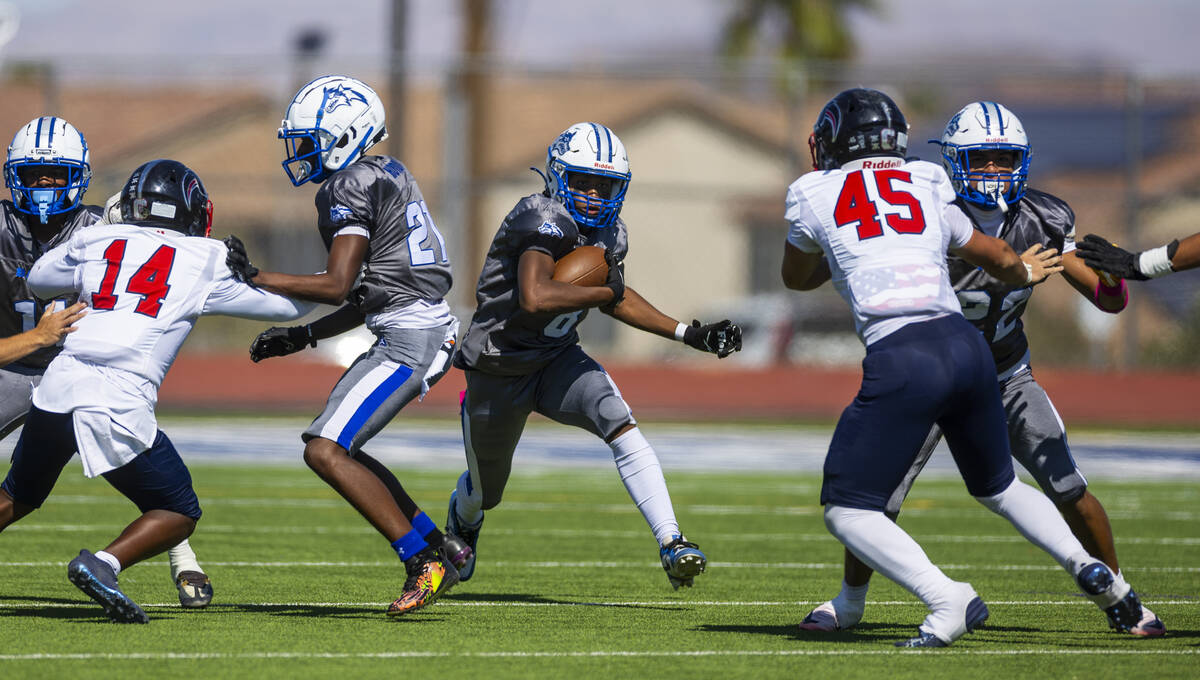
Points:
(857, 123)
(983, 127)
(330, 123)
(47, 147)
(166, 194)
(578, 157)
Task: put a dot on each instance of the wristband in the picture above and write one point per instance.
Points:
(1028, 273)
(1120, 290)
(680, 331)
(1155, 262)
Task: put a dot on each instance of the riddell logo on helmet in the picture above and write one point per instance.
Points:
(996, 140)
(882, 163)
(604, 166)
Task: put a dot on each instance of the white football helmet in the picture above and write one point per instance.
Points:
(330, 123)
(591, 149)
(985, 126)
(47, 146)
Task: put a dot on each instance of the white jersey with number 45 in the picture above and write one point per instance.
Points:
(884, 225)
(146, 288)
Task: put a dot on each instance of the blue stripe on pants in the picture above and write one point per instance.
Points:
(371, 404)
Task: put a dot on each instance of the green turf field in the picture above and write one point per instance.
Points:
(568, 585)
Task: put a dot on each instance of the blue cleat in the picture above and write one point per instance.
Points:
(976, 614)
(460, 555)
(682, 560)
(98, 581)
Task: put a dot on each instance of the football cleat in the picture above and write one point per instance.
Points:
(97, 580)
(824, 619)
(976, 614)
(468, 535)
(682, 560)
(1124, 612)
(430, 574)
(457, 550)
(1149, 626)
(195, 589)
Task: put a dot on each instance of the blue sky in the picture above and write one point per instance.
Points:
(1153, 37)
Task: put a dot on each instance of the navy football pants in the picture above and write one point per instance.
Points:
(156, 480)
(938, 371)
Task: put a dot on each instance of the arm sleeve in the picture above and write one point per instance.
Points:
(231, 297)
(801, 220)
(54, 273)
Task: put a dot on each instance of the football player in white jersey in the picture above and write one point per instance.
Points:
(880, 227)
(986, 153)
(147, 281)
(48, 170)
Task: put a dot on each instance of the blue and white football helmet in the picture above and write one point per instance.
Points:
(591, 149)
(985, 126)
(47, 146)
(330, 123)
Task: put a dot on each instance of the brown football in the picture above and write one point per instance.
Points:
(584, 266)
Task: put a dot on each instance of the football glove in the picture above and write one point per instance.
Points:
(615, 282)
(278, 341)
(1099, 254)
(239, 262)
(722, 338)
(112, 210)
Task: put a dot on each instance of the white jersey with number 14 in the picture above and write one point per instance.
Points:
(146, 288)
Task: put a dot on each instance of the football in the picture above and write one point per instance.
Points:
(584, 266)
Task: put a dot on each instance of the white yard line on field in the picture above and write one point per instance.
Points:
(578, 533)
(504, 564)
(170, 656)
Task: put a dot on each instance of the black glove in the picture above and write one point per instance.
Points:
(278, 341)
(238, 261)
(1098, 253)
(615, 282)
(722, 338)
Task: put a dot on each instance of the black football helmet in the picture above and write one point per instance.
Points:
(855, 124)
(166, 193)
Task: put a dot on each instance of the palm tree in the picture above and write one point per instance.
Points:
(811, 29)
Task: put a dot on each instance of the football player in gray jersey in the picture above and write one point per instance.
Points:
(521, 353)
(388, 268)
(986, 152)
(48, 170)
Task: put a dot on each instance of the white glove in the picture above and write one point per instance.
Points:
(112, 210)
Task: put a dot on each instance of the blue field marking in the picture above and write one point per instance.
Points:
(432, 444)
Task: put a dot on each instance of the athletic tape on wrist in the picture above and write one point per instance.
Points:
(1028, 273)
(680, 330)
(1155, 262)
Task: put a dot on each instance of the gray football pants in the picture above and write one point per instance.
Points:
(572, 389)
(1036, 436)
(376, 386)
(16, 396)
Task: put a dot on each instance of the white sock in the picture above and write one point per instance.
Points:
(643, 478)
(109, 559)
(468, 506)
(182, 559)
(1034, 515)
(882, 545)
(850, 604)
(1119, 580)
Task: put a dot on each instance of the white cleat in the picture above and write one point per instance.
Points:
(825, 619)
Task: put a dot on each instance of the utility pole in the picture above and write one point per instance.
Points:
(397, 77)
